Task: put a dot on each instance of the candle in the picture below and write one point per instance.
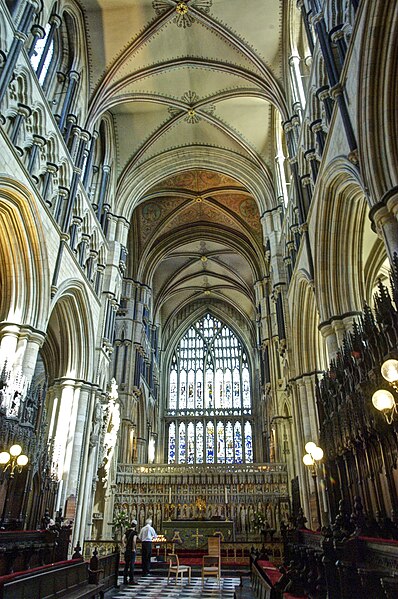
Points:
(169, 494)
(226, 494)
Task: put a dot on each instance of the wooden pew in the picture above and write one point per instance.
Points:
(72, 579)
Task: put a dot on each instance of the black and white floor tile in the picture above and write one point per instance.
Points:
(156, 586)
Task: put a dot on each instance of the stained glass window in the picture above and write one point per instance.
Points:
(209, 401)
(172, 443)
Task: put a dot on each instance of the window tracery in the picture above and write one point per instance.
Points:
(209, 401)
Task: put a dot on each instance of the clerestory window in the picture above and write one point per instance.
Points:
(209, 408)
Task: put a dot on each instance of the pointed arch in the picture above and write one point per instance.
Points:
(25, 280)
(68, 349)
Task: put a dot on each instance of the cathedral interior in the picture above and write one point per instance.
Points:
(199, 269)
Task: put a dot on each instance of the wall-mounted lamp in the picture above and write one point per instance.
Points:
(383, 400)
(311, 458)
(13, 459)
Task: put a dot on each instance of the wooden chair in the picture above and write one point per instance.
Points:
(211, 564)
(176, 568)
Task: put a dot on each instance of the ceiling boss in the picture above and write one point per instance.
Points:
(183, 17)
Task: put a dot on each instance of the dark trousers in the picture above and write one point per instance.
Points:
(146, 552)
(129, 561)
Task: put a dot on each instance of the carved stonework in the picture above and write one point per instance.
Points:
(183, 17)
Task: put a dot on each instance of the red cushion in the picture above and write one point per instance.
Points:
(270, 569)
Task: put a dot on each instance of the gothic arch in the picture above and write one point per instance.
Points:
(67, 351)
(338, 241)
(137, 182)
(25, 280)
(247, 336)
(377, 92)
(307, 345)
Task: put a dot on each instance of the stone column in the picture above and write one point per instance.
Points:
(329, 335)
(384, 217)
(38, 143)
(323, 95)
(48, 183)
(141, 450)
(317, 129)
(75, 443)
(20, 37)
(89, 453)
(338, 38)
(38, 33)
(73, 79)
(23, 112)
(311, 158)
(64, 430)
(301, 7)
(55, 21)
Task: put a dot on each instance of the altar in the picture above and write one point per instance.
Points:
(192, 534)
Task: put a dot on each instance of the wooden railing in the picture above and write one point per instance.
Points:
(82, 579)
(25, 549)
(342, 568)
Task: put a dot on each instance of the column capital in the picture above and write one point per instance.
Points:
(336, 90)
(24, 110)
(52, 167)
(74, 75)
(38, 31)
(39, 140)
(306, 179)
(55, 20)
(316, 125)
(310, 154)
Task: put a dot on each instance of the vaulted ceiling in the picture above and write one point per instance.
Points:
(192, 87)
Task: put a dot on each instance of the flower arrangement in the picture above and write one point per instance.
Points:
(121, 520)
(259, 521)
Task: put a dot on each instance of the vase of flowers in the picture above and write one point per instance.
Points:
(121, 521)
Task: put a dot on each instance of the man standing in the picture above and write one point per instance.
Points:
(147, 534)
(130, 551)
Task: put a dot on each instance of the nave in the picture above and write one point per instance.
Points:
(199, 287)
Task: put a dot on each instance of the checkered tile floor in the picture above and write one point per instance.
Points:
(156, 586)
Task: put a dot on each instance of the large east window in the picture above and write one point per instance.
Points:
(209, 411)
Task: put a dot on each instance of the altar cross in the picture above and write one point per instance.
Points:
(197, 537)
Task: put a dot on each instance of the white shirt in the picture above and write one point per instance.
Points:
(147, 533)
